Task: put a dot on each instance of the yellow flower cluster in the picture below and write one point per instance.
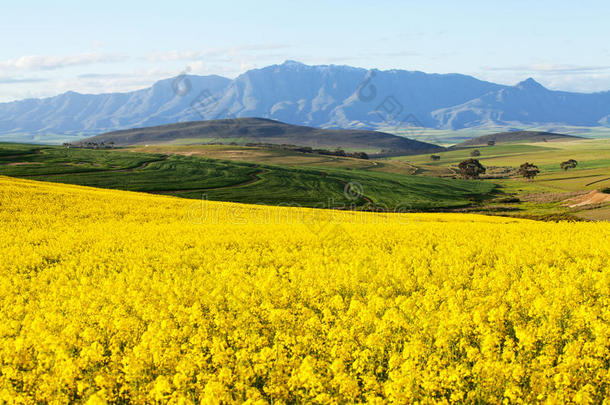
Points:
(110, 296)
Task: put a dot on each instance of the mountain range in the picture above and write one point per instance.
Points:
(327, 96)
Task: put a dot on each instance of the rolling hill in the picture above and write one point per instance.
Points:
(260, 130)
(247, 182)
(517, 136)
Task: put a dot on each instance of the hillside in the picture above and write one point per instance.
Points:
(259, 130)
(245, 182)
(517, 136)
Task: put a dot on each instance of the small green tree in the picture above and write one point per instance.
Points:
(528, 170)
(358, 155)
(471, 169)
(568, 164)
(339, 152)
(435, 157)
(491, 143)
(475, 153)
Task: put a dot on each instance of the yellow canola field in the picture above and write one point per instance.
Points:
(111, 296)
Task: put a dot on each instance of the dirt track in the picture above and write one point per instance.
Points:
(594, 197)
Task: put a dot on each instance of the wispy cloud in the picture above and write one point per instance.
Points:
(212, 54)
(86, 83)
(52, 62)
(172, 56)
(14, 80)
(551, 69)
(104, 75)
(576, 78)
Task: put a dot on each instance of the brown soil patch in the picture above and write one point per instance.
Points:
(78, 164)
(550, 197)
(594, 197)
(23, 164)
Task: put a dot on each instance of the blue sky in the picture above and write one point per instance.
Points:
(51, 47)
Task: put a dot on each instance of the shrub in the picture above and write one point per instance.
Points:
(528, 170)
(568, 164)
(471, 169)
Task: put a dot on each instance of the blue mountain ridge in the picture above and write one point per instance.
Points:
(327, 96)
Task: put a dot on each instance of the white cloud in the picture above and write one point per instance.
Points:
(581, 83)
(172, 56)
(87, 83)
(13, 80)
(225, 54)
(52, 62)
(574, 78)
(551, 69)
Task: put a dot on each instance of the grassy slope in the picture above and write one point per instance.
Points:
(223, 172)
(593, 172)
(327, 189)
(593, 157)
(517, 136)
(449, 137)
(192, 177)
(591, 154)
(279, 157)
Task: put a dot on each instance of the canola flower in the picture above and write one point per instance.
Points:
(118, 297)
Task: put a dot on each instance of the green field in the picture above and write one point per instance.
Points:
(281, 157)
(447, 137)
(546, 195)
(327, 186)
(277, 176)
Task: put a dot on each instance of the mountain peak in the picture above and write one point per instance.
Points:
(292, 63)
(529, 83)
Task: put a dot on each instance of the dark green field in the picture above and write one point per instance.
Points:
(194, 177)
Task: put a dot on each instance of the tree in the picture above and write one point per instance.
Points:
(568, 164)
(435, 157)
(471, 169)
(358, 155)
(528, 170)
(339, 152)
(475, 153)
(491, 143)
